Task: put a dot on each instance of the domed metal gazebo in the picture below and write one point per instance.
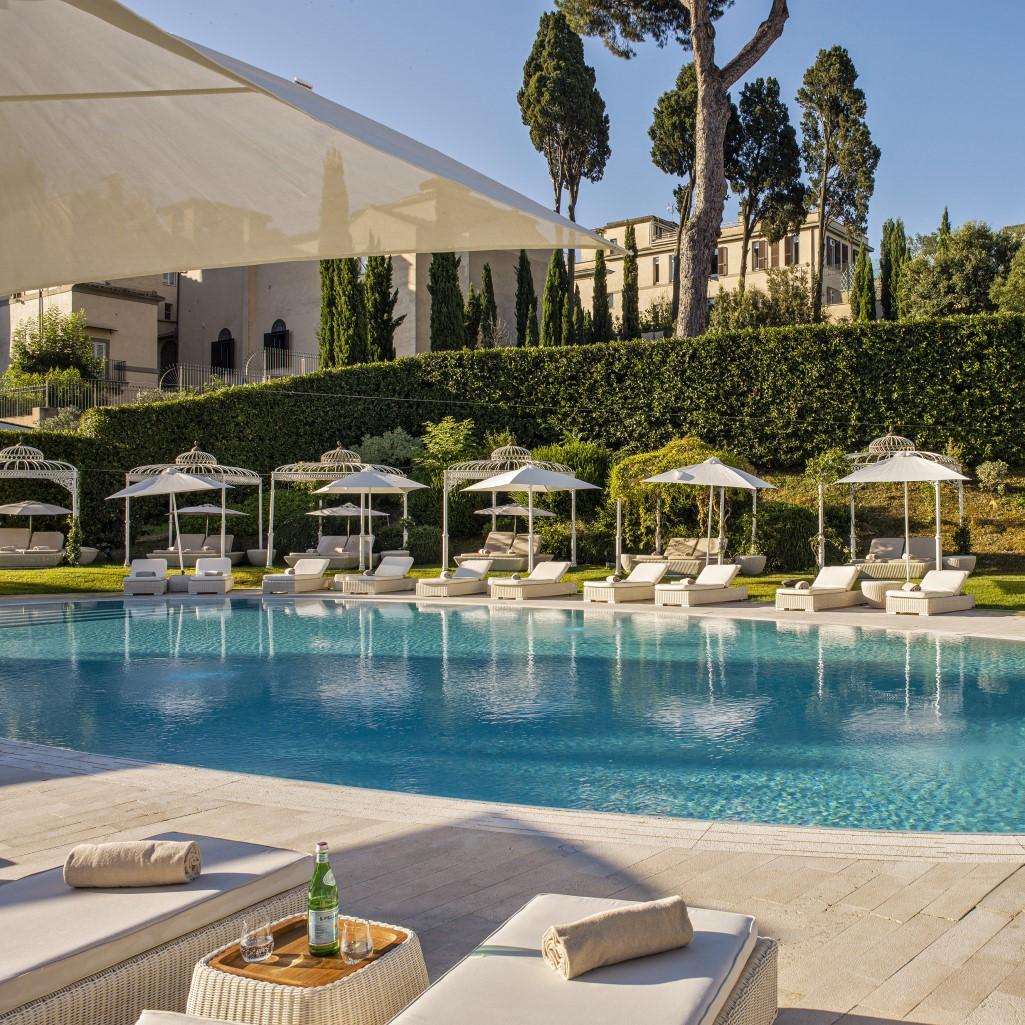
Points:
(23, 462)
(502, 460)
(200, 464)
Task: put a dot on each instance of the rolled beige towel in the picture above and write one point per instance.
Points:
(133, 863)
(617, 935)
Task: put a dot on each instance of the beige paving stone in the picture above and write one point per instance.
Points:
(958, 943)
(998, 1009)
(1008, 896)
(960, 993)
(906, 988)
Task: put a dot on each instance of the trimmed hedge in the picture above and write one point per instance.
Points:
(779, 395)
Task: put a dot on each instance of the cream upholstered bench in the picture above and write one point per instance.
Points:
(99, 957)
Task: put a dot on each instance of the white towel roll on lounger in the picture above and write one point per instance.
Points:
(133, 863)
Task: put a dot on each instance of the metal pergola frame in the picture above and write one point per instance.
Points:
(339, 462)
(501, 460)
(23, 462)
(201, 464)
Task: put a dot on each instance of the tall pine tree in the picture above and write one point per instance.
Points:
(351, 344)
(631, 325)
(944, 235)
(569, 336)
(446, 302)
(526, 299)
(488, 309)
(553, 300)
(327, 334)
(601, 315)
(380, 304)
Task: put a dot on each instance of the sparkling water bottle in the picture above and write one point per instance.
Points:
(322, 907)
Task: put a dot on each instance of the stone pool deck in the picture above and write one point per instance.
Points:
(875, 928)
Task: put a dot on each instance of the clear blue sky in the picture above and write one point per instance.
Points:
(944, 84)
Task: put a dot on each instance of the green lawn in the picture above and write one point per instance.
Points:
(997, 590)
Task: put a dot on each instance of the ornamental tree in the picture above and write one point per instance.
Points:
(446, 302)
(839, 156)
(351, 338)
(691, 23)
(863, 288)
(631, 325)
(488, 309)
(601, 316)
(1009, 293)
(764, 167)
(380, 299)
(526, 300)
(327, 334)
(553, 299)
(893, 256)
(472, 315)
(53, 342)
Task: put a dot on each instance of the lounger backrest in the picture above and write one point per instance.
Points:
(52, 540)
(949, 581)
(190, 542)
(886, 547)
(158, 567)
(922, 548)
(473, 569)
(331, 544)
(550, 572)
(310, 567)
(14, 537)
(719, 576)
(842, 577)
(498, 541)
(648, 572)
(214, 541)
(394, 566)
(209, 567)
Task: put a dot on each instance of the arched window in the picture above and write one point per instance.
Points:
(278, 327)
(275, 346)
(222, 352)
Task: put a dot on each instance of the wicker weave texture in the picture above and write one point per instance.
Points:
(517, 592)
(930, 606)
(755, 998)
(699, 595)
(806, 601)
(371, 996)
(622, 593)
(448, 588)
(156, 980)
(376, 585)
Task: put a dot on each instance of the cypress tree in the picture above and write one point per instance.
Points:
(868, 291)
(446, 302)
(488, 309)
(893, 256)
(533, 335)
(569, 336)
(327, 334)
(472, 315)
(351, 346)
(380, 304)
(526, 299)
(601, 316)
(580, 333)
(631, 327)
(553, 300)
(587, 331)
(944, 236)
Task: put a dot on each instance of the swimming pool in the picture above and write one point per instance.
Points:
(701, 717)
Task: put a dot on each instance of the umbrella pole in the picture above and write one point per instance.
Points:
(708, 540)
(444, 522)
(259, 509)
(573, 528)
(370, 527)
(530, 530)
(362, 510)
(320, 520)
(494, 517)
(170, 518)
(224, 492)
(754, 519)
(658, 525)
(270, 525)
(722, 523)
(939, 538)
(822, 526)
(619, 534)
(405, 518)
(128, 532)
(854, 536)
(960, 502)
(178, 535)
(907, 535)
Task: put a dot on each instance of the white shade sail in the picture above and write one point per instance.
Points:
(128, 151)
(711, 473)
(901, 468)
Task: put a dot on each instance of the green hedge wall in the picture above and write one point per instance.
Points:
(779, 395)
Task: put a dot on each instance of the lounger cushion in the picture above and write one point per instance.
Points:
(505, 982)
(176, 1018)
(66, 935)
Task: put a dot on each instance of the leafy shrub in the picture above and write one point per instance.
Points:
(53, 341)
(783, 532)
(596, 541)
(963, 539)
(992, 475)
(73, 544)
(589, 461)
(424, 545)
(393, 448)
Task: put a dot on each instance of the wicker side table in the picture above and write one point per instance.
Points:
(293, 988)
(875, 591)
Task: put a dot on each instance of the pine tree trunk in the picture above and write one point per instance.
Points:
(816, 271)
(571, 253)
(684, 215)
(745, 244)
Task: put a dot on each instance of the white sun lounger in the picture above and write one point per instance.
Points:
(638, 586)
(831, 589)
(213, 576)
(467, 579)
(391, 575)
(305, 575)
(545, 581)
(940, 592)
(147, 576)
(712, 587)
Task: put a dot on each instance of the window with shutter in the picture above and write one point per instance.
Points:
(775, 254)
(654, 270)
(724, 261)
(844, 255)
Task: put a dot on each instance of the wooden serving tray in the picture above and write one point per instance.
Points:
(291, 964)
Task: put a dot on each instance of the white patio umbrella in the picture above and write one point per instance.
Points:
(367, 483)
(31, 509)
(264, 170)
(208, 511)
(173, 482)
(714, 473)
(347, 510)
(533, 480)
(904, 468)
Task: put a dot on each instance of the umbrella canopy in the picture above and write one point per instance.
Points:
(510, 510)
(346, 510)
(904, 468)
(33, 509)
(209, 510)
(532, 479)
(91, 195)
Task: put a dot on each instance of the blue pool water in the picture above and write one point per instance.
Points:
(710, 718)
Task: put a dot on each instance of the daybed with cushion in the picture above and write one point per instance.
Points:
(146, 576)
(885, 558)
(341, 552)
(831, 589)
(40, 550)
(198, 546)
(213, 576)
(498, 542)
(712, 587)
(305, 575)
(544, 581)
(686, 555)
(638, 586)
(467, 579)
(513, 559)
(940, 591)
(99, 957)
(391, 575)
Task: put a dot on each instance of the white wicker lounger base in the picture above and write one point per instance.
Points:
(614, 593)
(156, 980)
(806, 601)
(688, 596)
(887, 570)
(520, 590)
(373, 585)
(372, 996)
(448, 588)
(928, 605)
(754, 1000)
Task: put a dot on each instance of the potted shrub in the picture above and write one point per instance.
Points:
(752, 560)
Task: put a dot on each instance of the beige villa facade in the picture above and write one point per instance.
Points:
(656, 257)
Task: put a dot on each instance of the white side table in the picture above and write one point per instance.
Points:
(875, 591)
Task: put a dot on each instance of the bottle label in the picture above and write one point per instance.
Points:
(323, 927)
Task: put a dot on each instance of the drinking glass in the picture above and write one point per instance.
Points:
(257, 942)
(356, 941)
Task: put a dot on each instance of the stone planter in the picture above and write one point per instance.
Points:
(258, 556)
(751, 565)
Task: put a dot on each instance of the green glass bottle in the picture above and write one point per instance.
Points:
(322, 907)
